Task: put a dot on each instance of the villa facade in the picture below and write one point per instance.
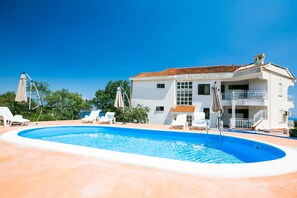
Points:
(253, 95)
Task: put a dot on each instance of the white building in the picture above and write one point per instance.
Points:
(253, 95)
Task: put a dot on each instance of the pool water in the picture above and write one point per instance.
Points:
(191, 147)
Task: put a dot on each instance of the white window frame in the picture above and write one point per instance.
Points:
(184, 93)
(280, 89)
(158, 108)
(159, 85)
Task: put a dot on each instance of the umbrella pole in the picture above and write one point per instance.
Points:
(30, 98)
(124, 110)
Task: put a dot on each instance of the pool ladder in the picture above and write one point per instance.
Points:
(207, 130)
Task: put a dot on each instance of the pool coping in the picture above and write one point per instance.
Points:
(280, 166)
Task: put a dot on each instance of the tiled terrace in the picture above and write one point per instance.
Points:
(30, 172)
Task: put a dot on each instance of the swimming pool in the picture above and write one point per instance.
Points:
(179, 146)
(184, 152)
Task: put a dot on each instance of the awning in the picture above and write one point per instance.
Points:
(182, 109)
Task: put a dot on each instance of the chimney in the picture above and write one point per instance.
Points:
(259, 59)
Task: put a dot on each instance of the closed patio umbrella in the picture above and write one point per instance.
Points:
(119, 103)
(217, 101)
(217, 105)
(21, 94)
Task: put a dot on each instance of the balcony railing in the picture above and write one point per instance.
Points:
(243, 123)
(249, 122)
(250, 94)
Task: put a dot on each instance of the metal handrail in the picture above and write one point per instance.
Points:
(241, 94)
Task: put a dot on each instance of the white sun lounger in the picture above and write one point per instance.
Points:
(199, 120)
(180, 121)
(93, 117)
(8, 118)
(108, 118)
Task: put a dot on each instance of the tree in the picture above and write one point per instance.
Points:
(295, 124)
(59, 105)
(137, 114)
(8, 100)
(44, 92)
(104, 99)
(64, 105)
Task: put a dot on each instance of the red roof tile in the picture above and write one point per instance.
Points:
(191, 70)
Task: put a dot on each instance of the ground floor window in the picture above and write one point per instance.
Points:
(206, 111)
(189, 120)
(159, 108)
(244, 112)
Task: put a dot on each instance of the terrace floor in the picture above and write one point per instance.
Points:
(30, 172)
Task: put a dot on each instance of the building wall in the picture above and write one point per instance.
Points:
(146, 93)
(258, 84)
(277, 104)
(205, 101)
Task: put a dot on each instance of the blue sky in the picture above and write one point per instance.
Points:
(80, 45)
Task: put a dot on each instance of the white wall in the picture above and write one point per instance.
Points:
(205, 101)
(257, 84)
(277, 103)
(146, 93)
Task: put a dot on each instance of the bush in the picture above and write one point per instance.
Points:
(295, 124)
(138, 114)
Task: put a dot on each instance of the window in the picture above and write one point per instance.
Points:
(244, 112)
(160, 108)
(280, 89)
(204, 89)
(189, 120)
(184, 93)
(206, 111)
(161, 86)
(238, 87)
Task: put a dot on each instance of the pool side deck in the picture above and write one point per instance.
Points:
(30, 172)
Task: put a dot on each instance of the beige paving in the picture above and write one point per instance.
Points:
(30, 172)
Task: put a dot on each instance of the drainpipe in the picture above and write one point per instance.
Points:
(174, 90)
(174, 96)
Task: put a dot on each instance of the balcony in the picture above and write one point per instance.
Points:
(248, 98)
(250, 94)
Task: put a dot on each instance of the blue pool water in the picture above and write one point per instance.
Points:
(165, 144)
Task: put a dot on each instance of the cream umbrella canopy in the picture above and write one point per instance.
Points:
(217, 105)
(119, 103)
(21, 94)
(217, 101)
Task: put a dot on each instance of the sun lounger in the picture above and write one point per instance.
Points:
(199, 120)
(93, 117)
(108, 118)
(8, 118)
(180, 121)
